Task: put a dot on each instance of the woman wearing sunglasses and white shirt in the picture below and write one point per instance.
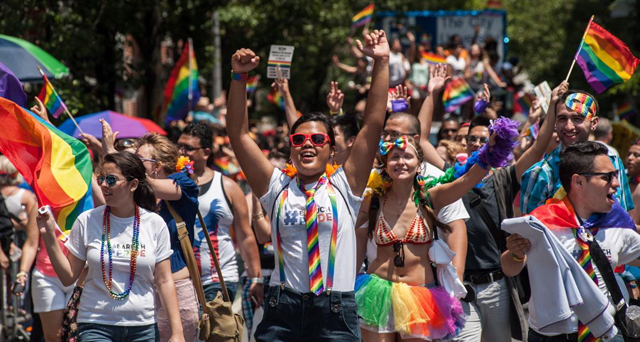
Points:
(312, 205)
(127, 250)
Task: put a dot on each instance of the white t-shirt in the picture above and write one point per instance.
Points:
(293, 231)
(138, 308)
(458, 64)
(620, 245)
(398, 67)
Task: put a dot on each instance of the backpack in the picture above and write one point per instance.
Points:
(6, 226)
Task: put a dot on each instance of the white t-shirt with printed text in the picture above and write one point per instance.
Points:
(294, 234)
(138, 308)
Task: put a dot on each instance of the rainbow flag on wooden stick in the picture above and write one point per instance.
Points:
(51, 99)
(433, 58)
(363, 17)
(604, 59)
(456, 93)
(182, 92)
(56, 166)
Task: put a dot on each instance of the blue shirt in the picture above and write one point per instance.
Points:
(541, 181)
(187, 208)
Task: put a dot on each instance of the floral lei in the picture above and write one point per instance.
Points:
(291, 170)
(184, 164)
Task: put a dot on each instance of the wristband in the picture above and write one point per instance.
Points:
(21, 274)
(399, 105)
(257, 280)
(239, 77)
(340, 112)
(515, 257)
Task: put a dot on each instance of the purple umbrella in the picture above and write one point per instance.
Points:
(128, 126)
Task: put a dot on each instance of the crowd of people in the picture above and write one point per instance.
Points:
(347, 226)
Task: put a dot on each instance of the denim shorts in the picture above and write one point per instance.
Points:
(94, 332)
(211, 290)
(293, 316)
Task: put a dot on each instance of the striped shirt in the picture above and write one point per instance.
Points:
(541, 181)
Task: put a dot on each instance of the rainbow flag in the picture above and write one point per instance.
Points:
(363, 17)
(625, 111)
(604, 59)
(51, 99)
(276, 98)
(56, 166)
(433, 58)
(252, 84)
(522, 103)
(456, 93)
(182, 92)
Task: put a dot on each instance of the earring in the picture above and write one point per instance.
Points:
(155, 174)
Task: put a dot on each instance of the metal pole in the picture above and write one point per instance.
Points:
(217, 60)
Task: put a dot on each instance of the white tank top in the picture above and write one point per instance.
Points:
(14, 202)
(218, 216)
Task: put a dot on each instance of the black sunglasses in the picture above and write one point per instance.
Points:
(187, 148)
(110, 179)
(398, 247)
(473, 138)
(447, 130)
(608, 176)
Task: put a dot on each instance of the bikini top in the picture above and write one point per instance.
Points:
(418, 232)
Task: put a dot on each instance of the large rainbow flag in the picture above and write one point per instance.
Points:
(604, 59)
(276, 98)
(51, 99)
(456, 93)
(363, 17)
(182, 92)
(56, 166)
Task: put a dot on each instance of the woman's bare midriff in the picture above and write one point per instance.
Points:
(182, 274)
(417, 266)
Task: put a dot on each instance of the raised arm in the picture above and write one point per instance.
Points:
(69, 267)
(335, 98)
(346, 68)
(253, 162)
(446, 194)
(536, 151)
(289, 106)
(437, 80)
(360, 159)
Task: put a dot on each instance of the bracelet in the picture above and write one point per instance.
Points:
(21, 274)
(515, 257)
(258, 216)
(239, 77)
(340, 112)
(257, 280)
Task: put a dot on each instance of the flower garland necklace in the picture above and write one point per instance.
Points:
(291, 170)
(106, 240)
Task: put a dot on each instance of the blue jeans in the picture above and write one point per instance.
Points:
(304, 317)
(94, 332)
(211, 290)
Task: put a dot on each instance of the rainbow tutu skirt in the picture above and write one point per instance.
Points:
(412, 311)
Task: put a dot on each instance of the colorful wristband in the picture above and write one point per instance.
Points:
(239, 77)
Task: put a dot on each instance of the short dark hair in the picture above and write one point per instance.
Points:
(578, 158)
(200, 131)
(132, 168)
(414, 123)
(480, 120)
(319, 117)
(564, 96)
(348, 124)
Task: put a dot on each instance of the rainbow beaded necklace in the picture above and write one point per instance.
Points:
(106, 240)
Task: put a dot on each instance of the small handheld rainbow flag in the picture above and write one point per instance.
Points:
(277, 99)
(522, 103)
(51, 99)
(182, 92)
(625, 111)
(433, 58)
(604, 59)
(363, 17)
(456, 93)
(56, 166)
(252, 84)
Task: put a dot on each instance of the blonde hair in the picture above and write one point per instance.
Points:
(453, 148)
(8, 173)
(162, 150)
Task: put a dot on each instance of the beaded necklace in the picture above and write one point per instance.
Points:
(106, 240)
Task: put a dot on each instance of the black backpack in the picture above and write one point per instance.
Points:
(6, 226)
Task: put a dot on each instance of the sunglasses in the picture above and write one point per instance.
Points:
(607, 176)
(395, 135)
(474, 138)
(187, 148)
(122, 144)
(317, 139)
(398, 248)
(449, 130)
(110, 179)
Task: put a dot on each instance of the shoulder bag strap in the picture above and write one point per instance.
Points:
(476, 202)
(225, 293)
(606, 272)
(187, 250)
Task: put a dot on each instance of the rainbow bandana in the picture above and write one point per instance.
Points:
(401, 143)
(583, 104)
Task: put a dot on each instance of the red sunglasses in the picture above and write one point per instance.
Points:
(317, 139)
